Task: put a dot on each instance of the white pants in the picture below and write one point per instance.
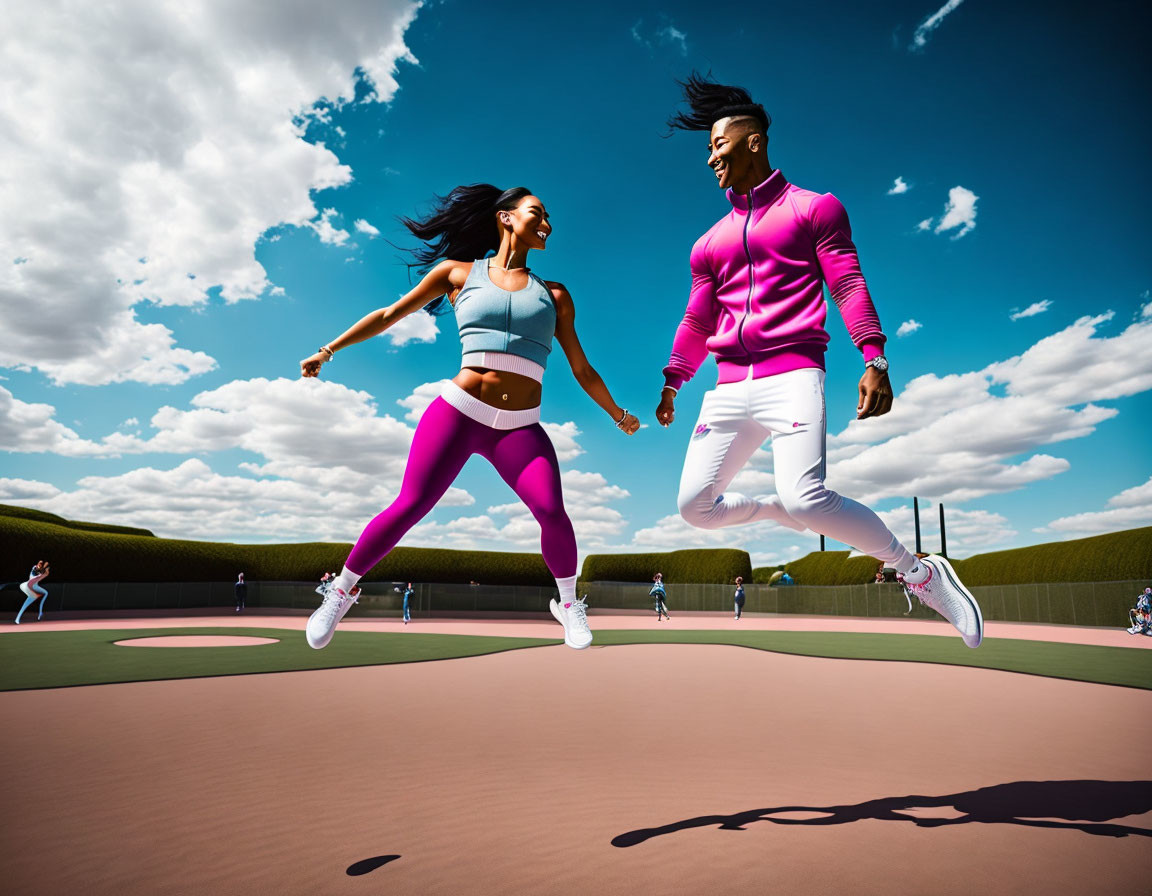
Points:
(735, 419)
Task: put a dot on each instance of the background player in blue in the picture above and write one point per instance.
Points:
(1141, 615)
(408, 603)
(657, 594)
(739, 596)
(33, 590)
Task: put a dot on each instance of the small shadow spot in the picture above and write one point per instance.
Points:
(366, 865)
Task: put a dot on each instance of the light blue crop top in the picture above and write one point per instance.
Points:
(491, 319)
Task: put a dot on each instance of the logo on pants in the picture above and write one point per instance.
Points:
(701, 431)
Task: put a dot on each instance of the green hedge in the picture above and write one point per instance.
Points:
(832, 568)
(691, 566)
(762, 575)
(42, 516)
(1115, 557)
(88, 556)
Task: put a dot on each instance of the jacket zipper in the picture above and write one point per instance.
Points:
(751, 276)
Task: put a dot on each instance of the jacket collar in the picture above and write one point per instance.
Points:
(762, 195)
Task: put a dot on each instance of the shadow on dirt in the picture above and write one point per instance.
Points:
(1088, 806)
(366, 865)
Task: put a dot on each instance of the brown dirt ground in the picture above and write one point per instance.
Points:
(660, 769)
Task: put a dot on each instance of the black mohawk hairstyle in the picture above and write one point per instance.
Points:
(710, 102)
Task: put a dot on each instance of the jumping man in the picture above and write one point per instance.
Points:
(757, 304)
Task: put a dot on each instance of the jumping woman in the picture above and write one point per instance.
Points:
(507, 317)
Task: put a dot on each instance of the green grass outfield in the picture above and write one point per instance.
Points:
(69, 659)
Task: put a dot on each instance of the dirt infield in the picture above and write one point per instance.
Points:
(631, 769)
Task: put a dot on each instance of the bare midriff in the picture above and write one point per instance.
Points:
(499, 388)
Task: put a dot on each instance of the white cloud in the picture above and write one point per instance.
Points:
(422, 396)
(930, 24)
(586, 500)
(967, 531)
(563, 436)
(1033, 309)
(328, 463)
(191, 500)
(959, 212)
(952, 438)
(908, 327)
(898, 187)
(33, 429)
(26, 489)
(148, 145)
(326, 231)
(416, 327)
(131, 421)
(766, 543)
(674, 37)
(1130, 509)
(363, 226)
(664, 34)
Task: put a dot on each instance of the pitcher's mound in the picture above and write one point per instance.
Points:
(196, 641)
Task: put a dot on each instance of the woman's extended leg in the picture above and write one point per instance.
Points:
(526, 460)
(443, 441)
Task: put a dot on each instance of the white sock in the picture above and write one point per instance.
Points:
(347, 580)
(567, 590)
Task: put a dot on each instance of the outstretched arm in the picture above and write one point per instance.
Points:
(585, 374)
(442, 279)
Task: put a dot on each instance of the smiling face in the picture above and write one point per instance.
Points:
(528, 222)
(735, 149)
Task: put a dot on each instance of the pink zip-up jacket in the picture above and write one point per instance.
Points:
(758, 280)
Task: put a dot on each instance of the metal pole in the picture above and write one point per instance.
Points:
(916, 514)
(821, 542)
(943, 537)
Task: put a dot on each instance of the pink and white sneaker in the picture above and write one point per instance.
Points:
(322, 624)
(574, 618)
(943, 592)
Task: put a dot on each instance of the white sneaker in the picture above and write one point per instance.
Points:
(1133, 630)
(322, 624)
(943, 592)
(574, 618)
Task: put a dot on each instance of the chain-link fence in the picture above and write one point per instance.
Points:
(1078, 603)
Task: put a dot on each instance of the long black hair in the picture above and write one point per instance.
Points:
(461, 226)
(710, 102)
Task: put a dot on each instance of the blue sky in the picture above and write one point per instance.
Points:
(176, 245)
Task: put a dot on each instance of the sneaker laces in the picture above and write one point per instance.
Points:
(919, 589)
(333, 603)
(578, 614)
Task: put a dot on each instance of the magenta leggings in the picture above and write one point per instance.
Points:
(444, 440)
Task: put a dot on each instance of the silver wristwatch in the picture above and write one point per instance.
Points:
(879, 362)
